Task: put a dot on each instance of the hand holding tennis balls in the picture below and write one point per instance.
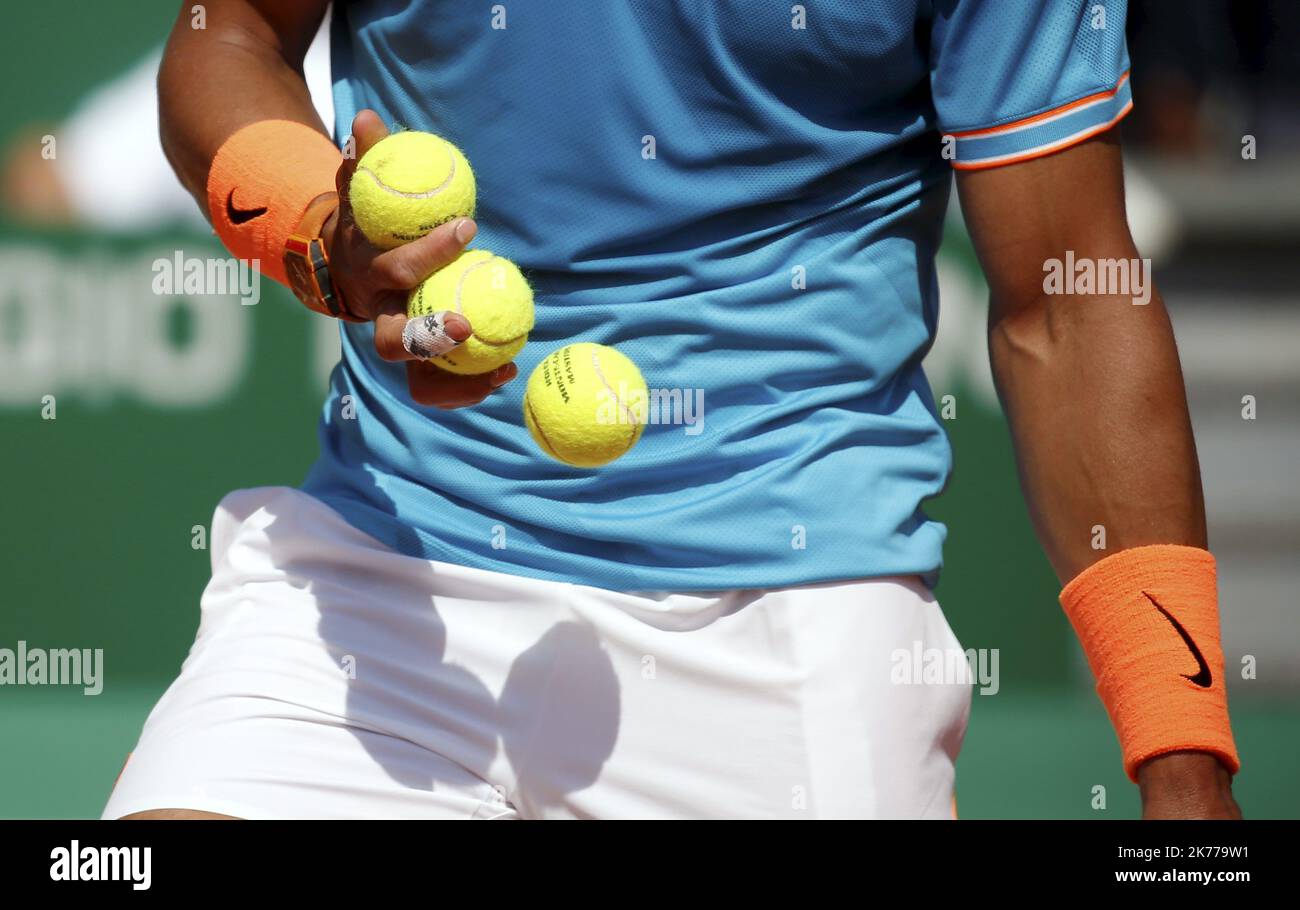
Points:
(375, 282)
(403, 187)
(586, 405)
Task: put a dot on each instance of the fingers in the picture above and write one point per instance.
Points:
(367, 129)
(427, 337)
(440, 389)
(397, 271)
(406, 266)
(391, 274)
(390, 332)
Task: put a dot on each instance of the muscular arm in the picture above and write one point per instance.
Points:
(1091, 385)
(245, 66)
(1093, 392)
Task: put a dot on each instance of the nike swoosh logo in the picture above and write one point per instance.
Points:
(1202, 677)
(241, 216)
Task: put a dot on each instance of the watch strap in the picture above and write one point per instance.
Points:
(307, 262)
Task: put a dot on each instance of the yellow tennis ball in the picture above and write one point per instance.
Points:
(407, 185)
(585, 405)
(491, 293)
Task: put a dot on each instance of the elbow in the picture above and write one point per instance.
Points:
(1025, 333)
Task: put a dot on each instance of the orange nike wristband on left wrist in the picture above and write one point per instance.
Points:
(1148, 620)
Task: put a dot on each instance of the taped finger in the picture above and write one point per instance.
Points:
(426, 336)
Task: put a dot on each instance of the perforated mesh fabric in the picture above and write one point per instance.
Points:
(747, 208)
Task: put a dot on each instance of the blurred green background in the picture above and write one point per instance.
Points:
(100, 502)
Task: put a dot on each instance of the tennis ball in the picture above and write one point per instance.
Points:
(585, 405)
(491, 293)
(407, 185)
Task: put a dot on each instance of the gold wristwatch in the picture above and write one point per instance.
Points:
(308, 265)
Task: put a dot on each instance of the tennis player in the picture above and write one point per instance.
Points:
(746, 198)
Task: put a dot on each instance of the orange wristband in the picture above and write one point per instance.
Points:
(1148, 619)
(260, 183)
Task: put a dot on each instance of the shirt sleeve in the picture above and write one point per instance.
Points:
(1018, 79)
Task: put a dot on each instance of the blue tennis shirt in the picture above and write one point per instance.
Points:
(746, 199)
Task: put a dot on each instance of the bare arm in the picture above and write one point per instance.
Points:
(1092, 389)
(1091, 385)
(245, 66)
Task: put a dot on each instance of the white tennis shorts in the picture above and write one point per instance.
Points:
(335, 678)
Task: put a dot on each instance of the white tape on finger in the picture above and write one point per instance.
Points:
(426, 336)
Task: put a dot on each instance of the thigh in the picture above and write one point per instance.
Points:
(317, 686)
(257, 758)
(770, 704)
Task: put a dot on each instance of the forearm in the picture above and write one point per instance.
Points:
(1094, 395)
(1093, 392)
(245, 66)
